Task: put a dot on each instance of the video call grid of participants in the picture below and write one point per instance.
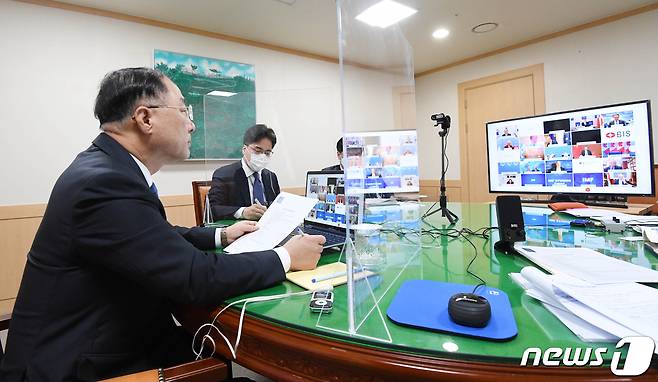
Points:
(587, 150)
(382, 162)
(330, 192)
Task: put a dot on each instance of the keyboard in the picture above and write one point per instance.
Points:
(333, 240)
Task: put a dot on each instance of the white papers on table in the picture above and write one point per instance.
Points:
(282, 216)
(586, 264)
(585, 322)
(632, 305)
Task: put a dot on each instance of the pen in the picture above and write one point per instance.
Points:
(300, 231)
(332, 276)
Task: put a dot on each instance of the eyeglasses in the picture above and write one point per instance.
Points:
(258, 150)
(187, 110)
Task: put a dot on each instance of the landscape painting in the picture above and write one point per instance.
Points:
(221, 97)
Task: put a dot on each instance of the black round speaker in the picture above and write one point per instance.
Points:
(469, 309)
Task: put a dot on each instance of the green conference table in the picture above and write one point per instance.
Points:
(281, 338)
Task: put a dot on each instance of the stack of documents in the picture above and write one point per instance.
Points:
(595, 296)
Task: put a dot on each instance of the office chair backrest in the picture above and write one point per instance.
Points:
(4, 325)
(199, 191)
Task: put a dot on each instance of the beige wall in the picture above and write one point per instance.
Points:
(49, 85)
(611, 63)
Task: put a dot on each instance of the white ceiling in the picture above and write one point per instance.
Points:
(310, 25)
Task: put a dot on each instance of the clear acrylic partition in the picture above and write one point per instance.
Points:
(381, 172)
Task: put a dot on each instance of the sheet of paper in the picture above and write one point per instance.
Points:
(541, 289)
(586, 264)
(632, 305)
(632, 238)
(285, 213)
(583, 329)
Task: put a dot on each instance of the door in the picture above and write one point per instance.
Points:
(518, 93)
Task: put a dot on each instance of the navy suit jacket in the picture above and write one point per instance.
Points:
(230, 190)
(103, 270)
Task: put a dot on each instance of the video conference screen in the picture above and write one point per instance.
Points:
(602, 150)
(385, 161)
(332, 203)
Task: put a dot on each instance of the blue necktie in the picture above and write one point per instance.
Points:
(259, 193)
(154, 189)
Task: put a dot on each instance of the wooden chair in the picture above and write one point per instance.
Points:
(4, 325)
(200, 189)
(205, 370)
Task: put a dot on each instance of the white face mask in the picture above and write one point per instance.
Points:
(258, 161)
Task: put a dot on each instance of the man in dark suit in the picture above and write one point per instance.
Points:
(105, 265)
(585, 152)
(244, 189)
(616, 121)
(339, 155)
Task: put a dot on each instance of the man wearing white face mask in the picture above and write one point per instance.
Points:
(244, 189)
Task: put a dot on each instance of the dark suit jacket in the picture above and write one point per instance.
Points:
(335, 167)
(230, 190)
(103, 270)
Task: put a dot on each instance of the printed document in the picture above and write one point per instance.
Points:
(586, 264)
(285, 213)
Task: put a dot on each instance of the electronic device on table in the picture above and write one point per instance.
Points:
(594, 155)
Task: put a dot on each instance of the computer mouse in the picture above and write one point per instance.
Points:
(469, 309)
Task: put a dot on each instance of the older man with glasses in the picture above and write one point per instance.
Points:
(105, 266)
(244, 189)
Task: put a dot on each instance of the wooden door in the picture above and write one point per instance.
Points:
(512, 94)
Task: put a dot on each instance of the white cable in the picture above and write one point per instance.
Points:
(211, 325)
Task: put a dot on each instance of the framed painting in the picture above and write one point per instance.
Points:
(221, 96)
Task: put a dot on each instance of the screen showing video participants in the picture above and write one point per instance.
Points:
(385, 161)
(602, 150)
(332, 203)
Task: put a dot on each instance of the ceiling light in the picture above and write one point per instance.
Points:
(441, 33)
(385, 13)
(484, 27)
(221, 93)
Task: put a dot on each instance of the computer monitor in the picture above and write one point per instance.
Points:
(604, 150)
(382, 162)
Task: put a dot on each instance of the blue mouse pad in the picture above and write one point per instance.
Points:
(424, 304)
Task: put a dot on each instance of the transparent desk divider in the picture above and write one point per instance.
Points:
(381, 173)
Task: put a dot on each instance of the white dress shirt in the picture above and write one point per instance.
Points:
(283, 254)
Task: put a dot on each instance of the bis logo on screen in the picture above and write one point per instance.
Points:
(638, 356)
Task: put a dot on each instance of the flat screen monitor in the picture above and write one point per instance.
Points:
(382, 162)
(599, 150)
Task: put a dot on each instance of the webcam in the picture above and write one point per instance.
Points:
(442, 120)
(469, 309)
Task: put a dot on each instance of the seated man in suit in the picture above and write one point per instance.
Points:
(244, 189)
(339, 155)
(105, 265)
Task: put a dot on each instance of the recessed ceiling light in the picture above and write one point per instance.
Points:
(441, 33)
(484, 27)
(385, 13)
(221, 93)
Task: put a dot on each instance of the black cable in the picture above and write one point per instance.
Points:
(436, 233)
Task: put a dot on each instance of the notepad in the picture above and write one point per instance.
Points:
(305, 278)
